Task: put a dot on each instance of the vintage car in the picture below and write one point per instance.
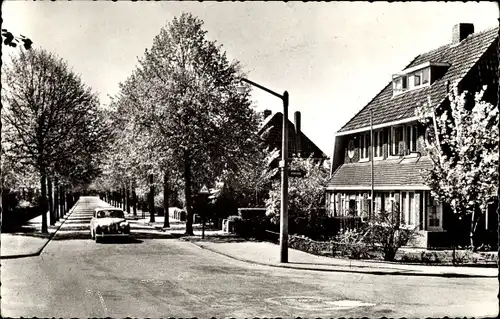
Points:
(108, 222)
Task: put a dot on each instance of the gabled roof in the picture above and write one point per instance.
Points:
(461, 57)
(274, 123)
(386, 174)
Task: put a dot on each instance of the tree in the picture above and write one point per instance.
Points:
(242, 187)
(51, 118)
(306, 198)
(189, 100)
(464, 174)
(12, 41)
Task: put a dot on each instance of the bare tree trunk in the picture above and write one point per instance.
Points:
(166, 222)
(52, 217)
(43, 202)
(56, 198)
(63, 195)
(473, 226)
(66, 201)
(134, 201)
(127, 193)
(151, 199)
(188, 197)
(61, 200)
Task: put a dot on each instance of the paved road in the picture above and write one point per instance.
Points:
(172, 278)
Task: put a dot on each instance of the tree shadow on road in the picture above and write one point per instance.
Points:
(156, 235)
(25, 230)
(221, 238)
(120, 240)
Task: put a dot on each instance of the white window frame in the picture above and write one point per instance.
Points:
(359, 204)
(363, 147)
(392, 146)
(377, 139)
(412, 143)
(409, 212)
(429, 201)
(411, 75)
(342, 204)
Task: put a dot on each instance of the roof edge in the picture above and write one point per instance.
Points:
(381, 125)
(376, 95)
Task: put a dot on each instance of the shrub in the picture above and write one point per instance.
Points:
(350, 244)
(410, 258)
(430, 257)
(385, 231)
(462, 257)
(310, 246)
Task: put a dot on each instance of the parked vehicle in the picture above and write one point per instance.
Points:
(108, 222)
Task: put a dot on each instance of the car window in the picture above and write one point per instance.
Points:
(110, 213)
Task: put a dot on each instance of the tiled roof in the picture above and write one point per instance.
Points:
(462, 58)
(273, 139)
(386, 173)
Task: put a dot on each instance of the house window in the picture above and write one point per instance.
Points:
(352, 207)
(364, 145)
(411, 138)
(342, 207)
(359, 204)
(390, 202)
(404, 82)
(435, 213)
(408, 208)
(397, 137)
(400, 84)
(416, 80)
(377, 143)
(426, 76)
(411, 80)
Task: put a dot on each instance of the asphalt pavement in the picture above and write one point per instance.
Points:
(167, 277)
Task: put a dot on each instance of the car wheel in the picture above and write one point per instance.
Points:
(97, 239)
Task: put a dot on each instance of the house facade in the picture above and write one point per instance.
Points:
(394, 172)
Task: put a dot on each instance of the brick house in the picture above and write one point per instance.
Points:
(399, 139)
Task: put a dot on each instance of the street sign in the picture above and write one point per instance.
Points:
(296, 173)
(204, 190)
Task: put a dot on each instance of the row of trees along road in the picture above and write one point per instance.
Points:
(179, 116)
(52, 123)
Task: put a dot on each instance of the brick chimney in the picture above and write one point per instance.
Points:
(461, 31)
(267, 113)
(297, 133)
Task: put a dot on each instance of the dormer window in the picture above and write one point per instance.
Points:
(415, 77)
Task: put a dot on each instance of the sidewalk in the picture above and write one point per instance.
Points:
(264, 253)
(176, 226)
(29, 241)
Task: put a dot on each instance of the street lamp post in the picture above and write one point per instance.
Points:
(284, 172)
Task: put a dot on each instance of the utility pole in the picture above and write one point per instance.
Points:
(372, 213)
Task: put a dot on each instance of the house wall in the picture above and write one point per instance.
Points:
(338, 201)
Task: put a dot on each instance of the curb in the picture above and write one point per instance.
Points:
(372, 272)
(39, 251)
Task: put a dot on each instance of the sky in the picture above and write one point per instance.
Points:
(332, 57)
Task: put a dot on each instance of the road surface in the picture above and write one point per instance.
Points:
(172, 278)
